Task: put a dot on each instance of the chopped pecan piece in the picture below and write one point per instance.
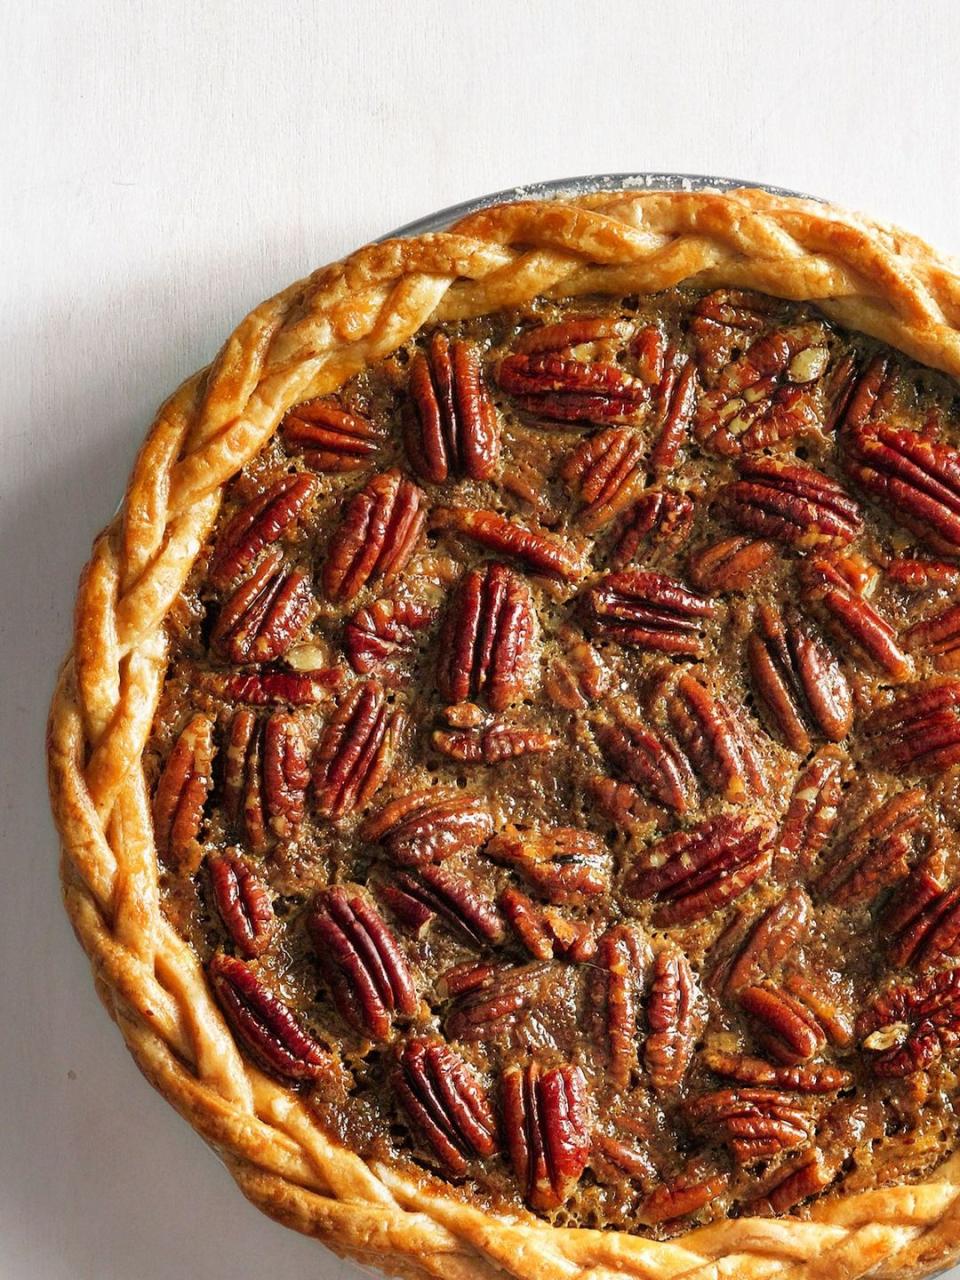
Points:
(649, 758)
(648, 610)
(876, 854)
(451, 427)
(243, 901)
(696, 872)
(732, 564)
(263, 1024)
(798, 679)
(181, 794)
(564, 864)
(547, 1131)
(329, 438)
(911, 1025)
(676, 399)
(383, 631)
(860, 395)
(788, 1030)
(916, 479)
(376, 538)
(756, 1123)
(544, 931)
(265, 687)
(923, 923)
(916, 574)
(578, 678)
(939, 637)
(355, 751)
(265, 777)
(573, 331)
(717, 741)
(429, 825)
(265, 614)
(565, 390)
(492, 744)
(764, 398)
(605, 472)
(774, 936)
(257, 525)
(501, 998)
(623, 956)
(696, 1186)
(812, 813)
(622, 803)
(446, 1104)
(488, 637)
(451, 897)
(790, 503)
(672, 1019)
(544, 552)
(852, 617)
(920, 729)
(659, 518)
(722, 325)
(807, 1077)
(361, 962)
(826, 998)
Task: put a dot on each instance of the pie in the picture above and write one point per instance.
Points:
(509, 763)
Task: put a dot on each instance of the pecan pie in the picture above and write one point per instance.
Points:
(509, 763)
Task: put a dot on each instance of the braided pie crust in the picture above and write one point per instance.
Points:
(303, 343)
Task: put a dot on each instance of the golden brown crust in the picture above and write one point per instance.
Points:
(305, 342)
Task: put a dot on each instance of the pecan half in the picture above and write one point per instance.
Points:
(807, 1077)
(676, 399)
(356, 750)
(565, 390)
(265, 777)
(265, 614)
(790, 503)
(672, 1019)
(445, 1103)
(498, 1000)
(547, 1132)
(911, 1025)
(257, 525)
(359, 957)
(243, 901)
(860, 395)
(768, 941)
(263, 1024)
(659, 518)
(376, 538)
(876, 854)
(544, 552)
(716, 741)
(451, 427)
(694, 1187)
(564, 864)
(648, 610)
(852, 617)
(788, 1030)
(732, 564)
(429, 825)
(605, 472)
(384, 631)
(916, 479)
(920, 729)
(488, 637)
(545, 931)
(648, 757)
(812, 813)
(914, 573)
(492, 744)
(329, 438)
(757, 1124)
(623, 956)
(181, 794)
(798, 679)
(451, 897)
(265, 687)
(696, 872)
(923, 923)
(764, 398)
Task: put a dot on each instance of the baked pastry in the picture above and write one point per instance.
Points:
(509, 763)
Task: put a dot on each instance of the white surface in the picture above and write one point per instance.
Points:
(165, 166)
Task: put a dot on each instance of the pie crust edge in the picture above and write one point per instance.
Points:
(306, 342)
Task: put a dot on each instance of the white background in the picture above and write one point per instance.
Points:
(164, 166)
